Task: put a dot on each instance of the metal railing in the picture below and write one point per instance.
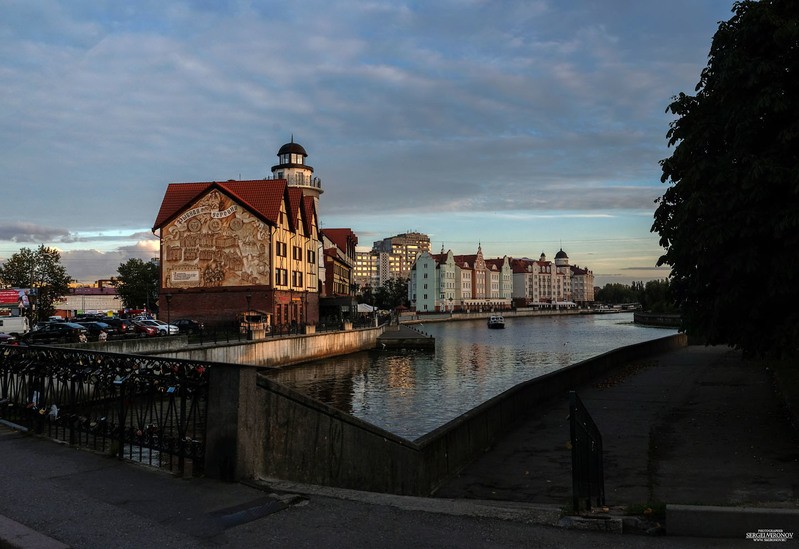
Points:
(145, 409)
(588, 475)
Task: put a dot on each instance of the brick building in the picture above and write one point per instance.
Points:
(230, 246)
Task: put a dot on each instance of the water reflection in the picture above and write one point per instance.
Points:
(410, 393)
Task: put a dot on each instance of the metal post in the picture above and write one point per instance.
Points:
(168, 319)
(248, 297)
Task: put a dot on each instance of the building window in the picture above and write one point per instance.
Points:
(280, 249)
(311, 257)
(281, 277)
(297, 253)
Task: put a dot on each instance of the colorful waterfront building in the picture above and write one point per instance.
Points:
(232, 246)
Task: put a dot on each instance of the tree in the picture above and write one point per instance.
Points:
(393, 293)
(729, 222)
(617, 293)
(655, 297)
(40, 270)
(137, 283)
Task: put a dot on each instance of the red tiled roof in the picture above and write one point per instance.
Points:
(309, 207)
(294, 205)
(261, 196)
(342, 238)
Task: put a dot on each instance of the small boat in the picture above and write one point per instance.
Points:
(496, 321)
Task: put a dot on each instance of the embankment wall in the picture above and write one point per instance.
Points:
(300, 439)
(282, 351)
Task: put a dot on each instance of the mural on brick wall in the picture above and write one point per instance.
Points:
(215, 243)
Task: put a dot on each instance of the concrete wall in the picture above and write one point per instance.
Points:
(276, 352)
(134, 346)
(657, 319)
(306, 441)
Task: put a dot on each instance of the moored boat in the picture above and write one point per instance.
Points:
(496, 321)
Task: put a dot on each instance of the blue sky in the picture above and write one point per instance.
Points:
(522, 126)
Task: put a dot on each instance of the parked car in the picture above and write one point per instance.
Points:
(14, 324)
(98, 330)
(123, 326)
(57, 332)
(187, 326)
(144, 331)
(88, 317)
(162, 327)
(9, 339)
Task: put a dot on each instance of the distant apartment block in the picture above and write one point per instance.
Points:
(392, 257)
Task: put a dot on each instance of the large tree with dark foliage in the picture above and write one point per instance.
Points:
(729, 221)
(42, 271)
(393, 293)
(137, 283)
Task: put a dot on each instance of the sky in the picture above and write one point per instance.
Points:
(520, 126)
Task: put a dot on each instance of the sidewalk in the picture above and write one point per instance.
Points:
(693, 426)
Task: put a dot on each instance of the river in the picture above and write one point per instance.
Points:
(410, 393)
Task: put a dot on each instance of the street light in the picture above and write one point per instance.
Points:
(168, 323)
(248, 297)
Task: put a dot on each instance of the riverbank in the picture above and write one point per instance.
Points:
(421, 318)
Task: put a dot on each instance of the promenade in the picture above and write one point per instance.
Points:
(694, 426)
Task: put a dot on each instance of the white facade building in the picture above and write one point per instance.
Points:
(472, 283)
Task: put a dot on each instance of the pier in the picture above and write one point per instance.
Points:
(402, 336)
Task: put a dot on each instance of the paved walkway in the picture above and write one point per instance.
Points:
(692, 426)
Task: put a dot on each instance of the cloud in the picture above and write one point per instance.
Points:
(89, 265)
(428, 108)
(32, 233)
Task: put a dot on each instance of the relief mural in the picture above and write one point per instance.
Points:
(215, 243)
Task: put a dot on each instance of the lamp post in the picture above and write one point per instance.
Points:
(168, 323)
(248, 297)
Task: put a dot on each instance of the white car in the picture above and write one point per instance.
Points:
(162, 327)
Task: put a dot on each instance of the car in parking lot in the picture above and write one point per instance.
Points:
(144, 331)
(98, 330)
(188, 326)
(57, 332)
(122, 326)
(162, 327)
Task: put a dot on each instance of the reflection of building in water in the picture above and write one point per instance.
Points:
(233, 244)
(400, 373)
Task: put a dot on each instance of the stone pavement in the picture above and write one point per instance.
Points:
(694, 426)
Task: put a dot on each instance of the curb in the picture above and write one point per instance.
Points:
(18, 536)
(730, 522)
(528, 513)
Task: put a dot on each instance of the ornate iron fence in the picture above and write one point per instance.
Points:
(588, 474)
(145, 409)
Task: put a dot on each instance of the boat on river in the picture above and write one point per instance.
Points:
(496, 321)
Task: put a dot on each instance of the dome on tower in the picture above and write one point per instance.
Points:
(292, 147)
(561, 255)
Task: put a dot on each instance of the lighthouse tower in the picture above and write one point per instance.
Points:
(292, 167)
